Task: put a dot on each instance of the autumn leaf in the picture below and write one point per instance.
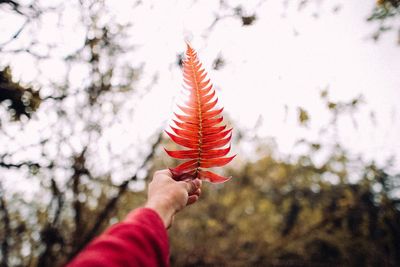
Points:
(199, 128)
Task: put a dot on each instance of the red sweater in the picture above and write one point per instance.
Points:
(140, 240)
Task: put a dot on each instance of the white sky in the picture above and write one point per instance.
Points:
(267, 67)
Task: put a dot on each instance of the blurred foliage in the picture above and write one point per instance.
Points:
(274, 212)
(386, 14)
(56, 152)
(247, 19)
(295, 211)
(21, 100)
(303, 116)
(339, 108)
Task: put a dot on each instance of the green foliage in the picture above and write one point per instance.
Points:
(385, 14)
(274, 213)
(303, 116)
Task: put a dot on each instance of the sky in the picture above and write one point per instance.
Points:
(285, 59)
(280, 63)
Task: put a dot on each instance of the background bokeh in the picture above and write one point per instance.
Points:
(311, 88)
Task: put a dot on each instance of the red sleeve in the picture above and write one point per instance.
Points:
(140, 240)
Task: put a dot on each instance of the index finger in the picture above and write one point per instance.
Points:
(163, 173)
(192, 185)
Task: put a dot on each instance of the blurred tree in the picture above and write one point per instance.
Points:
(273, 212)
(276, 213)
(76, 198)
(22, 101)
(294, 212)
(67, 192)
(386, 13)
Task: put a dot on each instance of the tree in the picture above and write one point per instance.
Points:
(295, 212)
(76, 199)
(62, 183)
(54, 135)
(386, 14)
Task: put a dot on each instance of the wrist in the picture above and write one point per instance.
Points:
(165, 213)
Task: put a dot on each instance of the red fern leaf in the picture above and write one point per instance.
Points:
(198, 128)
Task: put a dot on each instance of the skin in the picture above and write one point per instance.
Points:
(167, 196)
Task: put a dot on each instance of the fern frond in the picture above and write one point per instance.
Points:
(199, 128)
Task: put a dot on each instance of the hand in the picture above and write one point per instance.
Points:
(167, 196)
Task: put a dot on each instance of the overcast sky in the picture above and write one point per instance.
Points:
(280, 63)
(285, 59)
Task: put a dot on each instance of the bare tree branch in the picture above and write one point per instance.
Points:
(30, 164)
(110, 206)
(6, 228)
(58, 196)
(79, 169)
(15, 35)
(14, 5)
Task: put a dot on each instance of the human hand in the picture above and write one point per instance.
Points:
(167, 196)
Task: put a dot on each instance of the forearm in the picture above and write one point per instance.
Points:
(140, 240)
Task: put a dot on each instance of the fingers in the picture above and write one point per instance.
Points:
(192, 199)
(197, 192)
(193, 189)
(168, 196)
(192, 185)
